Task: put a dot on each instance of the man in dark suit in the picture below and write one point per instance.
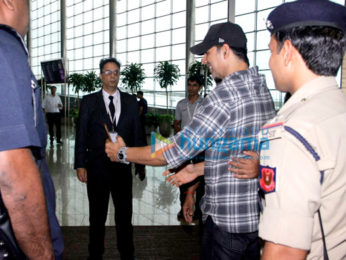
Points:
(119, 111)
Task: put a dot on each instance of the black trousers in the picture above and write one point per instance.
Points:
(54, 119)
(113, 179)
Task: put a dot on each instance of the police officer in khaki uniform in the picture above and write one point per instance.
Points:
(303, 149)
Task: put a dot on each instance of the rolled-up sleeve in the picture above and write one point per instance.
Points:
(207, 125)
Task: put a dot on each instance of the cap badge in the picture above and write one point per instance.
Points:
(269, 25)
(221, 40)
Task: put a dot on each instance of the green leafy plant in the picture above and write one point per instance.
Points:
(88, 82)
(77, 82)
(152, 119)
(202, 71)
(133, 77)
(91, 82)
(166, 118)
(167, 75)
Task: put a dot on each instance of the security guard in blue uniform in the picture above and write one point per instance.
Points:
(303, 157)
(26, 186)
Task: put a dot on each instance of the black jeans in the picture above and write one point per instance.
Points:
(218, 244)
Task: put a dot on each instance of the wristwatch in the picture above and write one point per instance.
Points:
(122, 155)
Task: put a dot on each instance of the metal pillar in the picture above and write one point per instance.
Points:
(190, 36)
(112, 28)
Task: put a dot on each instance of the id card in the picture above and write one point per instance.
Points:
(113, 135)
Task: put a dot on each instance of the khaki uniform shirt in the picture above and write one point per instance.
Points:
(290, 176)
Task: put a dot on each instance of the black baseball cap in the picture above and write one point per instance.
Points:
(307, 13)
(221, 33)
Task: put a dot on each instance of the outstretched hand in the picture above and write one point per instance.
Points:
(188, 208)
(245, 168)
(182, 176)
(112, 149)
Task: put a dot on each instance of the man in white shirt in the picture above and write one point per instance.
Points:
(183, 116)
(52, 105)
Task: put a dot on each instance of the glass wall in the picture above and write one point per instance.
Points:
(148, 32)
(251, 16)
(87, 34)
(45, 33)
(208, 12)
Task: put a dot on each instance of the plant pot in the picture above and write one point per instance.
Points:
(165, 128)
(149, 129)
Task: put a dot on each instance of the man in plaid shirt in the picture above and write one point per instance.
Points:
(225, 124)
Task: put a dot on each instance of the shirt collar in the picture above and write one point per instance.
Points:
(309, 89)
(16, 35)
(106, 95)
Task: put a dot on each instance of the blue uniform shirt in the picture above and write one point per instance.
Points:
(22, 121)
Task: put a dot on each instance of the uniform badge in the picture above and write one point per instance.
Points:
(267, 178)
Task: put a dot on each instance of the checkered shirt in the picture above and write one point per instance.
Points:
(225, 124)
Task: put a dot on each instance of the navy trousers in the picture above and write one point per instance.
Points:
(218, 244)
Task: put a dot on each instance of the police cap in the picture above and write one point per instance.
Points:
(307, 13)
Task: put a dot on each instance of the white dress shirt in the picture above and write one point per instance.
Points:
(116, 102)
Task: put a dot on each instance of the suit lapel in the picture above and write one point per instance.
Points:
(123, 106)
(102, 108)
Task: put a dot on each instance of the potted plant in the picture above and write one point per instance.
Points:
(151, 122)
(133, 77)
(167, 74)
(77, 82)
(201, 70)
(165, 124)
(91, 82)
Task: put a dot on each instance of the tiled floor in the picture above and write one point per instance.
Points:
(154, 201)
